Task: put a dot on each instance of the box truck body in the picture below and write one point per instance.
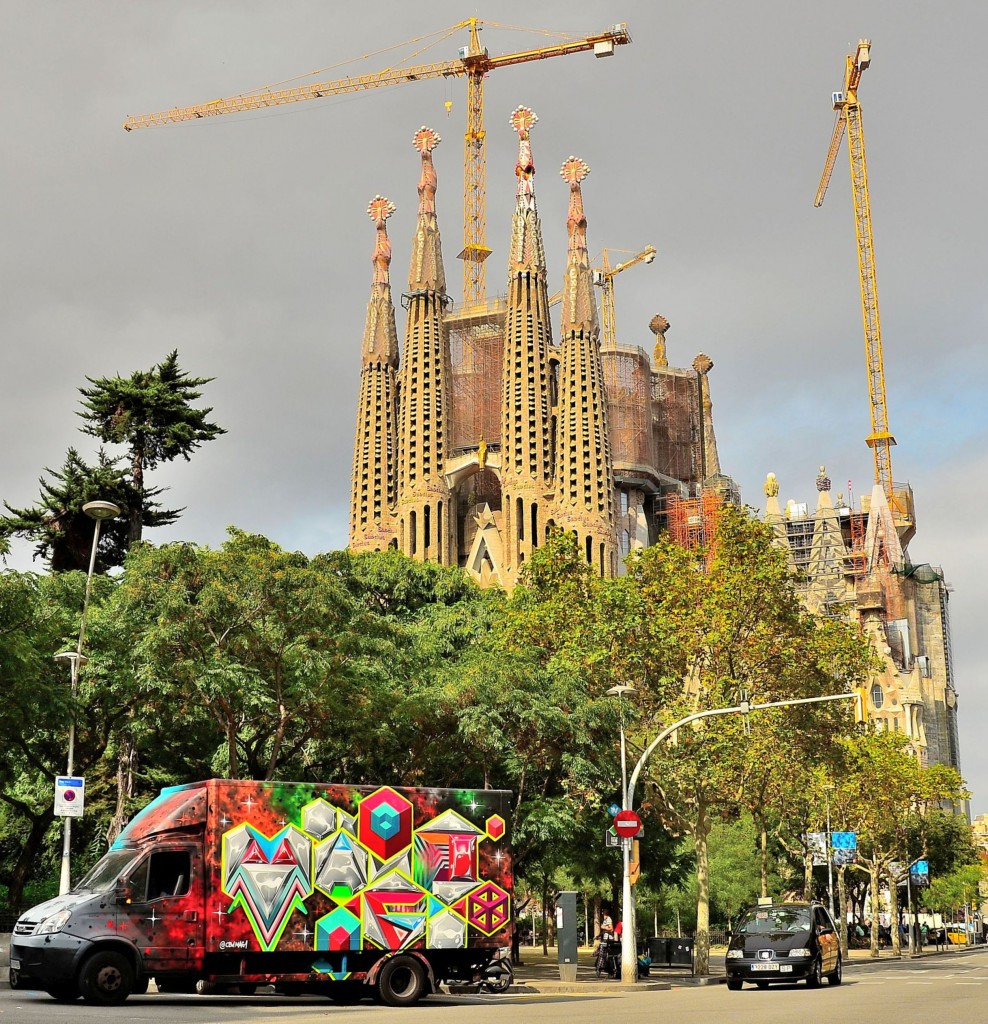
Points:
(340, 889)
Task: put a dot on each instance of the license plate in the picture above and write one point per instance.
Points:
(15, 965)
(785, 968)
(764, 967)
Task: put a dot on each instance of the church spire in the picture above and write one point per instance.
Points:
(526, 449)
(584, 469)
(425, 408)
(374, 470)
(426, 271)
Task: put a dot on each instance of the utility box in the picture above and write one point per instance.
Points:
(566, 935)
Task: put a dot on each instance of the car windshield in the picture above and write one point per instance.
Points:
(776, 919)
(106, 871)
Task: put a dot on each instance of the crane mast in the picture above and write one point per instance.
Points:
(849, 122)
(605, 278)
(474, 63)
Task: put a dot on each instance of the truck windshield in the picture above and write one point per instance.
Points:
(106, 871)
(776, 919)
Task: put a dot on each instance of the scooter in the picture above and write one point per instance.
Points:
(498, 974)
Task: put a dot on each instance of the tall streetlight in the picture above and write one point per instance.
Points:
(629, 958)
(98, 510)
(827, 789)
(629, 977)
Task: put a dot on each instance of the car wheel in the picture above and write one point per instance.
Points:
(815, 978)
(401, 981)
(838, 975)
(106, 978)
(734, 984)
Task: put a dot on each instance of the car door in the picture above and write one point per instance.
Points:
(826, 936)
(166, 894)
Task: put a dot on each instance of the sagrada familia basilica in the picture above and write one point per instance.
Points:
(482, 435)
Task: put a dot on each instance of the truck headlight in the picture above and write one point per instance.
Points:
(803, 953)
(735, 954)
(55, 923)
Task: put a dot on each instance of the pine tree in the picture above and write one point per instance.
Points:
(64, 533)
(151, 413)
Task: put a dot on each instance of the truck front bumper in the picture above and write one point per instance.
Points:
(45, 959)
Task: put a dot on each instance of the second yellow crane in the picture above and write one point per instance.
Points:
(880, 440)
(474, 63)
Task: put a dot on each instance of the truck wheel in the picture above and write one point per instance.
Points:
(401, 981)
(106, 978)
(66, 992)
(14, 978)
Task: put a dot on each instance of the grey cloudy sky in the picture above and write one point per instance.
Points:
(244, 241)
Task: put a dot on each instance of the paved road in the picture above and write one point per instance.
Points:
(952, 989)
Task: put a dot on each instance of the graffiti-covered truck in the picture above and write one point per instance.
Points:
(344, 890)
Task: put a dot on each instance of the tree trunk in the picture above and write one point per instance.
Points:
(702, 940)
(135, 522)
(231, 742)
(808, 876)
(764, 861)
(894, 917)
(873, 875)
(545, 917)
(27, 859)
(125, 787)
(842, 908)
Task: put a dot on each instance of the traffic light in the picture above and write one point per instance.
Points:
(860, 706)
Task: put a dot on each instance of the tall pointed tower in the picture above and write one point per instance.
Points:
(372, 525)
(526, 463)
(584, 474)
(424, 408)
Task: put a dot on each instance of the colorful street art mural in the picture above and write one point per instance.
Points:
(345, 869)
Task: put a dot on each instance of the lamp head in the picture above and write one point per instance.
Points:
(101, 509)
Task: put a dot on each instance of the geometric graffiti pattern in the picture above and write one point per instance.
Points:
(267, 876)
(395, 886)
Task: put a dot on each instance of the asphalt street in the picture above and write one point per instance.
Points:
(950, 988)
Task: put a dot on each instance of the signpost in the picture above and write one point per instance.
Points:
(70, 796)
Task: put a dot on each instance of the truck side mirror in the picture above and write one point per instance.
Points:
(124, 892)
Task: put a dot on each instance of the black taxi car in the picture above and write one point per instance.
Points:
(784, 942)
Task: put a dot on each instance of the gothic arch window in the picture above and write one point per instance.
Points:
(877, 695)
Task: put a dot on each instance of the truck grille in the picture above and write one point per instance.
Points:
(25, 927)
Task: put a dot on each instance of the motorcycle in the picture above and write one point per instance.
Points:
(498, 974)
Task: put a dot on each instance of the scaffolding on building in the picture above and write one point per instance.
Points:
(692, 522)
(476, 348)
(628, 379)
(677, 424)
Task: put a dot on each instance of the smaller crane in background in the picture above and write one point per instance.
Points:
(880, 440)
(604, 278)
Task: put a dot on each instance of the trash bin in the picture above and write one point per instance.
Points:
(681, 952)
(658, 950)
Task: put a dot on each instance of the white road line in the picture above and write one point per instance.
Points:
(919, 982)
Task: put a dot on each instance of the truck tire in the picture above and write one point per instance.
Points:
(401, 981)
(106, 978)
(65, 992)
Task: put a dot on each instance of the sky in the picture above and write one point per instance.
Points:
(244, 241)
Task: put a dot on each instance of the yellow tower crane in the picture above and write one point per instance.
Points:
(605, 279)
(474, 63)
(849, 120)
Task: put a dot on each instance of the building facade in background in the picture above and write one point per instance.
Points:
(854, 565)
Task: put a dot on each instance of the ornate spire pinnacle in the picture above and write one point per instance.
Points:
(379, 210)
(523, 119)
(573, 172)
(426, 269)
(425, 141)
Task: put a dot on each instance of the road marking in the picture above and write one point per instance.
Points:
(919, 982)
(975, 983)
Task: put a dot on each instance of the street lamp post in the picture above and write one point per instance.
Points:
(744, 708)
(98, 510)
(629, 957)
(830, 858)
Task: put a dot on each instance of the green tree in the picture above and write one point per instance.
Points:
(151, 414)
(728, 620)
(63, 533)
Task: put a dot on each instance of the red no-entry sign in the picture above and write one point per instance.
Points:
(627, 824)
